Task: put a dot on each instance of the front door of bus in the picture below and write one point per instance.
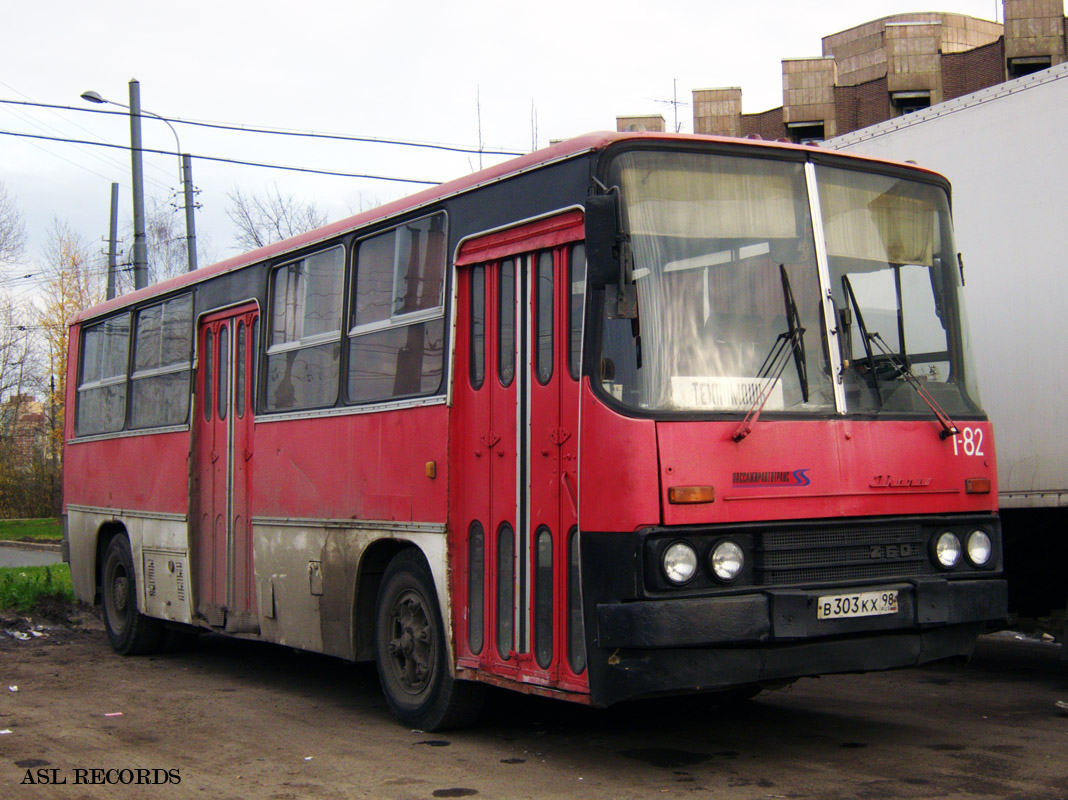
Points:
(225, 383)
(517, 416)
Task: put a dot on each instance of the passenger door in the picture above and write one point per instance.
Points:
(222, 469)
(516, 411)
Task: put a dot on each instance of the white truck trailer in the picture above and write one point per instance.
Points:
(1005, 150)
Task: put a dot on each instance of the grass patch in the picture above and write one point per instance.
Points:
(41, 530)
(22, 588)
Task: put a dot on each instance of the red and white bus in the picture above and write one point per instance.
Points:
(636, 414)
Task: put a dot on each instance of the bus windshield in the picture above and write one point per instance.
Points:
(894, 277)
(723, 254)
(728, 289)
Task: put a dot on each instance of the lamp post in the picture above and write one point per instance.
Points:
(185, 177)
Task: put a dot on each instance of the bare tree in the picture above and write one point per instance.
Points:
(29, 477)
(20, 365)
(166, 242)
(367, 202)
(71, 283)
(33, 363)
(272, 217)
(12, 230)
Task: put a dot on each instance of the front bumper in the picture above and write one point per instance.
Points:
(647, 648)
(644, 638)
(789, 615)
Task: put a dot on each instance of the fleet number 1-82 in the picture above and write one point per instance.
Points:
(969, 442)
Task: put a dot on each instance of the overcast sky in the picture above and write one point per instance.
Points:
(415, 70)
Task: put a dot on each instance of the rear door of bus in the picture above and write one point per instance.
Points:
(225, 381)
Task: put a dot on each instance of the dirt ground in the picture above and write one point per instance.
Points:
(233, 719)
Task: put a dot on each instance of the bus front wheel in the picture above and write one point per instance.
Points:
(129, 631)
(410, 651)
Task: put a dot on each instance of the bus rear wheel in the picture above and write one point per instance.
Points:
(413, 664)
(129, 631)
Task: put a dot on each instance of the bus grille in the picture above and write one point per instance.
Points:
(840, 553)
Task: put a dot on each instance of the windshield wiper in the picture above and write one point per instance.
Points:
(792, 341)
(796, 332)
(847, 287)
(949, 427)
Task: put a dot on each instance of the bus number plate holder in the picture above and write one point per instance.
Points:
(860, 604)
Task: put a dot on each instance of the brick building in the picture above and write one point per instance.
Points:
(889, 67)
(24, 429)
(641, 122)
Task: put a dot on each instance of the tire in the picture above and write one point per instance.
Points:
(413, 664)
(129, 631)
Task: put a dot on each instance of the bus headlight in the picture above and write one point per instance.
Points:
(947, 550)
(979, 548)
(679, 563)
(727, 561)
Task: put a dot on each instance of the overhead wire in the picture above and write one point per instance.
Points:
(20, 286)
(310, 170)
(273, 131)
(54, 154)
(44, 126)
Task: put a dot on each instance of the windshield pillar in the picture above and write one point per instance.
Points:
(830, 314)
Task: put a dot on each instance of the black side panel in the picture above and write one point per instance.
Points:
(600, 585)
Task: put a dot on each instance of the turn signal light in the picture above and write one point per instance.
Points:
(680, 495)
(977, 485)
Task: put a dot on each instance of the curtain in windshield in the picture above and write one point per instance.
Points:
(895, 282)
(728, 290)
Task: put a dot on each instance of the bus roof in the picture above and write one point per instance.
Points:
(558, 151)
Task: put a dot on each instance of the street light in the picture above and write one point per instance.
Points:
(185, 177)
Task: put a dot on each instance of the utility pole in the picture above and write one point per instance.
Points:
(113, 235)
(140, 249)
(185, 178)
(190, 223)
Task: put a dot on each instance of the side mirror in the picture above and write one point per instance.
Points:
(602, 239)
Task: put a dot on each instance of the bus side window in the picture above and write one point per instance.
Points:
(543, 598)
(304, 350)
(239, 371)
(576, 633)
(224, 370)
(577, 281)
(102, 391)
(478, 326)
(159, 385)
(254, 389)
(209, 352)
(476, 569)
(397, 338)
(544, 353)
(505, 590)
(506, 326)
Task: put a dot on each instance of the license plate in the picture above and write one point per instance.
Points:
(863, 604)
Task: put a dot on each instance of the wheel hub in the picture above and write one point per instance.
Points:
(121, 592)
(410, 648)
